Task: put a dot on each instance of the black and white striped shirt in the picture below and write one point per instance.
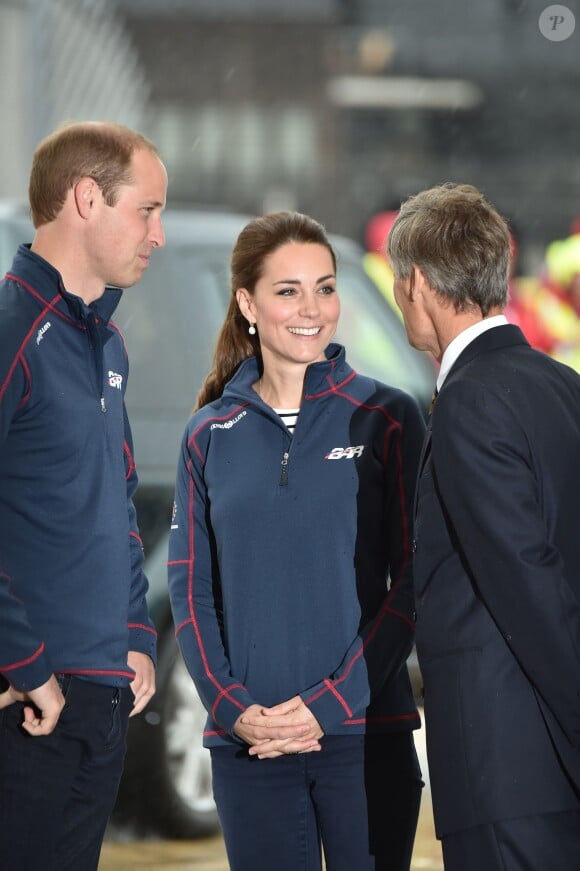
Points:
(289, 416)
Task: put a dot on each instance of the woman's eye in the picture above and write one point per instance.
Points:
(327, 289)
(286, 291)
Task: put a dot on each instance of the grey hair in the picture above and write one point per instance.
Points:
(460, 243)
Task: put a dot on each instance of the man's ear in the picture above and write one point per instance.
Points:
(412, 284)
(85, 191)
(418, 282)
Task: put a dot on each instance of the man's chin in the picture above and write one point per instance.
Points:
(129, 280)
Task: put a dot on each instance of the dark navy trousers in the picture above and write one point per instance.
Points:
(57, 791)
(358, 799)
(548, 842)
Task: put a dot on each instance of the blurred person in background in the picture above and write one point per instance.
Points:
(290, 572)
(563, 270)
(375, 262)
(522, 307)
(77, 646)
(559, 287)
(497, 549)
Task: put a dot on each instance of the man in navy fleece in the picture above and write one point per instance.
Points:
(77, 646)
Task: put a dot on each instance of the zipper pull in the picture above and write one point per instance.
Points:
(284, 464)
(103, 406)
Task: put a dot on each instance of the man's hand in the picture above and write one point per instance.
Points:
(284, 729)
(47, 702)
(143, 685)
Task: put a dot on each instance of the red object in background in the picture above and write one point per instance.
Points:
(377, 232)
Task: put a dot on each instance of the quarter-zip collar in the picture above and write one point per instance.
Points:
(45, 282)
(320, 378)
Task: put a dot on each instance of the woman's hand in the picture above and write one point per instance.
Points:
(287, 728)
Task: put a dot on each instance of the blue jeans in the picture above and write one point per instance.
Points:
(358, 798)
(57, 791)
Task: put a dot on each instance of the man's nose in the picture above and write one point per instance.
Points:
(157, 234)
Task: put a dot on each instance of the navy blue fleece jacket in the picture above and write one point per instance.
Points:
(289, 557)
(72, 588)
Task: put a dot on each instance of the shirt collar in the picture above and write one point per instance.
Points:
(460, 343)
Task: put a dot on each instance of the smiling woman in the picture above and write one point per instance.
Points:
(266, 533)
(295, 317)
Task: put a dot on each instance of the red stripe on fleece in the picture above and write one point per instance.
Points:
(26, 396)
(192, 441)
(224, 694)
(142, 626)
(114, 326)
(105, 671)
(332, 685)
(51, 305)
(131, 461)
(190, 562)
(334, 388)
(22, 347)
(23, 662)
(395, 718)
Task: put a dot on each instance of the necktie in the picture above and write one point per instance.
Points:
(433, 400)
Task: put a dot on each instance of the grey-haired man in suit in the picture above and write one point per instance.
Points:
(497, 550)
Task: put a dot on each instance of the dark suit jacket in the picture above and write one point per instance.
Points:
(497, 574)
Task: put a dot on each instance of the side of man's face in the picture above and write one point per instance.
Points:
(403, 297)
(130, 230)
(414, 298)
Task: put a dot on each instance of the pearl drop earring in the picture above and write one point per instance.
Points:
(252, 330)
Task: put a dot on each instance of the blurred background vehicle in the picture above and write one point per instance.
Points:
(170, 321)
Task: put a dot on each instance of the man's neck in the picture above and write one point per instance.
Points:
(450, 327)
(69, 262)
(464, 338)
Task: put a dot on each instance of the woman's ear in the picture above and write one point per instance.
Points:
(246, 304)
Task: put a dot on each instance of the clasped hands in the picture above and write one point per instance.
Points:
(287, 728)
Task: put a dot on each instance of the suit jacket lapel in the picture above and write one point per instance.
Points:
(490, 340)
(422, 460)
